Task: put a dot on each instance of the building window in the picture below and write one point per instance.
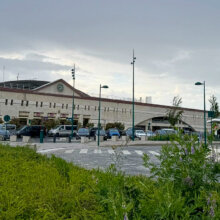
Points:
(77, 107)
(6, 101)
(50, 104)
(62, 105)
(41, 104)
(36, 103)
(95, 108)
(27, 102)
(22, 102)
(105, 109)
(85, 107)
(11, 101)
(88, 107)
(54, 105)
(66, 106)
(108, 109)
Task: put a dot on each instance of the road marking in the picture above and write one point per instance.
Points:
(111, 151)
(139, 152)
(83, 151)
(126, 152)
(68, 151)
(49, 150)
(97, 151)
(154, 153)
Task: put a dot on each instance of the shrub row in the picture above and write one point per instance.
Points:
(33, 186)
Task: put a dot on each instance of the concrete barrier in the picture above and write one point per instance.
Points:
(143, 138)
(84, 140)
(26, 139)
(124, 138)
(114, 138)
(13, 138)
(101, 138)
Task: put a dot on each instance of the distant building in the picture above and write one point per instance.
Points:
(32, 99)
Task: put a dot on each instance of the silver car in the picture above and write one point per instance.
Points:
(4, 134)
(62, 130)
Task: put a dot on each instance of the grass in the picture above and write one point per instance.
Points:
(33, 186)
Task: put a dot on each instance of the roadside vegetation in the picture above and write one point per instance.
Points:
(184, 186)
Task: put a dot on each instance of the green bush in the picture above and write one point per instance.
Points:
(188, 171)
(184, 186)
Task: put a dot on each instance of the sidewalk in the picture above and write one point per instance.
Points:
(77, 144)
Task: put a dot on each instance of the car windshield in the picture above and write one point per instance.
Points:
(113, 130)
(140, 131)
(57, 126)
(101, 132)
(83, 130)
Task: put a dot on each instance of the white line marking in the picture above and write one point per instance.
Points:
(49, 150)
(154, 153)
(126, 152)
(97, 151)
(139, 152)
(111, 152)
(83, 151)
(68, 151)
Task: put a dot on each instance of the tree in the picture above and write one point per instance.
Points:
(117, 125)
(15, 121)
(214, 106)
(174, 114)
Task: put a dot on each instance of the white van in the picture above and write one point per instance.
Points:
(62, 130)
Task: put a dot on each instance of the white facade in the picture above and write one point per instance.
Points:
(54, 100)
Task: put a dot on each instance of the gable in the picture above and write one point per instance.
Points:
(60, 87)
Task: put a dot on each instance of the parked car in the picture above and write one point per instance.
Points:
(83, 132)
(4, 134)
(112, 132)
(139, 133)
(32, 131)
(129, 132)
(93, 132)
(169, 130)
(150, 133)
(62, 130)
(101, 133)
(9, 127)
(165, 131)
(160, 132)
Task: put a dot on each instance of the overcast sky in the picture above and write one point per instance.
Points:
(176, 43)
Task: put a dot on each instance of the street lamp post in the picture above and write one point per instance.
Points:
(132, 63)
(73, 76)
(198, 84)
(99, 126)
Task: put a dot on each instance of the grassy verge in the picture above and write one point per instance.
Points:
(33, 186)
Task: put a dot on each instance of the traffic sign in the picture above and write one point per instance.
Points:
(7, 118)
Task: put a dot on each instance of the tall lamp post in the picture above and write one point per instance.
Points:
(132, 63)
(73, 76)
(199, 84)
(99, 126)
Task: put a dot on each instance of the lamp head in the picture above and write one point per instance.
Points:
(105, 87)
(198, 83)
